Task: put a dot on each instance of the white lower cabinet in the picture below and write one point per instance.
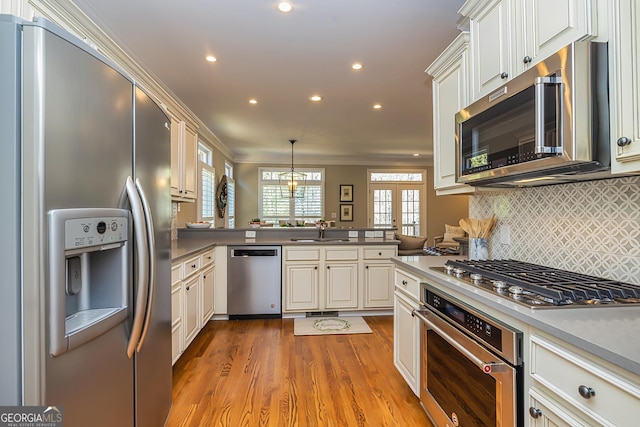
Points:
(191, 291)
(406, 328)
(341, 285)
(340, 278)
(176, 312)
(568, 388)
(192, 299)
(406, 340)
(301, 286)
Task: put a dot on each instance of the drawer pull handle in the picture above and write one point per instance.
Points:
(187, 288)
(404, 282)
(586, 392)
(623, 141)
(367, 267)
(380, 253)
(193, 266)
(535, 413)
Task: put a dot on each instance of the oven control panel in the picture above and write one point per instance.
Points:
(483, 329)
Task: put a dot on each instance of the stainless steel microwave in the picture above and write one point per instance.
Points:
(548, 125)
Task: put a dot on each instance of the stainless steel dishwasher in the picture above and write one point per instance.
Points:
(254, 282)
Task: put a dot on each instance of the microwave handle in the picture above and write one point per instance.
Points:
(539, 94)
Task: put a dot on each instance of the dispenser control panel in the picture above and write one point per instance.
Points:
(84, 232)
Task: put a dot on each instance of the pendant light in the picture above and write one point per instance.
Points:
(292, 184)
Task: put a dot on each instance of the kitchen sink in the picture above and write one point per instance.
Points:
(318, 239)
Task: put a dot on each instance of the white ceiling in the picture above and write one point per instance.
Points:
(282, 59)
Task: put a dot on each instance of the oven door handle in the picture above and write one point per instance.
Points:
(486, 367)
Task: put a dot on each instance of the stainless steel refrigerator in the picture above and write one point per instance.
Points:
(85, 223)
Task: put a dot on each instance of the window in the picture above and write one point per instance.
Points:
(207, 199)
(397, 199)
(231, 195)
(275, 209)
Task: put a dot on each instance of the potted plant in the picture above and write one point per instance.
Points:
(254, 223)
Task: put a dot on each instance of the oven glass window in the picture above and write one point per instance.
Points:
(459, 386)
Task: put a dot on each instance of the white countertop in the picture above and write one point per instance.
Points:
(610, 333)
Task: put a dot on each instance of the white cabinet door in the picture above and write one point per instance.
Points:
(176, 312)
(190, 164)
(544, 412)
(491, 47)
(208, 281)
(406, 340)
(378, 285)
(191, 318)
(184, 151)
(624, 81)
(451, 93)
(341, 285)
(301, 287)
(549, 25)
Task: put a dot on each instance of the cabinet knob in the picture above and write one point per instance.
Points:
(404, 282)
(367, 267)
(623, 142)
(586, 392)
(504, 75)
(526, 59)
(315, 268)
(328, 267)
(204, 276)
(193, 266)
(187, 287)
(535, 412)
(380, 253)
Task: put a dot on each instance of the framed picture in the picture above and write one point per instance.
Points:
(346, 193)
(346, 212)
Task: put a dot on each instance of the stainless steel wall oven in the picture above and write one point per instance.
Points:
(471, 365)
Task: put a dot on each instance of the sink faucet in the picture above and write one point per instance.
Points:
(322, 226)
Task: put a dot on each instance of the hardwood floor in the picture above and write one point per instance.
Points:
(257, 373)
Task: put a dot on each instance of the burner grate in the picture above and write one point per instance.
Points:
(557, 285)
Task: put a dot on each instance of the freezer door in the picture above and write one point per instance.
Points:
(153, 372)
(77, 149)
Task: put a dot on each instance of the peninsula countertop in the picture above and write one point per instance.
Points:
(610, 333)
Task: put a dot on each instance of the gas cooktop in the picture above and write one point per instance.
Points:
(537, 286)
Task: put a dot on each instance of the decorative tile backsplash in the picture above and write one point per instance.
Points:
(588, 227)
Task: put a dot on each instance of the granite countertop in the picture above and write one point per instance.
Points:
(182, 248)
(605, 332)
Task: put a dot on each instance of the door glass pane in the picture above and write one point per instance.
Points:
(382, 208)
(410, 205)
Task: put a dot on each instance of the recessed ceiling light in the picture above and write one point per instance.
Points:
(357, 66)
(211, 58)
(285, 7)
(377, 106)
(253, 101)
(315, 98)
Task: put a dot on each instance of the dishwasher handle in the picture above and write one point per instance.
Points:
(244, 253)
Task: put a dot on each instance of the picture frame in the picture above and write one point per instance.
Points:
(346, 212)
(346, 192)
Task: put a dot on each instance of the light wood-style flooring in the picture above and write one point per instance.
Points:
(246, 373)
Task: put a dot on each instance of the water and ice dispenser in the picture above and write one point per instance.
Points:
(89, 274)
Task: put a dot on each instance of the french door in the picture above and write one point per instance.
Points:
(398, 205)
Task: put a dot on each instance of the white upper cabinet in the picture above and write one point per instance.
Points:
(509, 36)
(184, 152)
(451, 93)
(624, 85)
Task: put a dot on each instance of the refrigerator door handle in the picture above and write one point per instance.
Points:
(141, 266)
(151, 253)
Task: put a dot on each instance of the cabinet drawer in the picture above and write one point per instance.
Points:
(341, 254)
(409, 283)
(614, 400)
(176, 273)
(191, 266)
(207, 257)
(307, 254)
(379, 253)
(176, 303)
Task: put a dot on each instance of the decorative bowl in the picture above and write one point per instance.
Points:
(198, 225)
